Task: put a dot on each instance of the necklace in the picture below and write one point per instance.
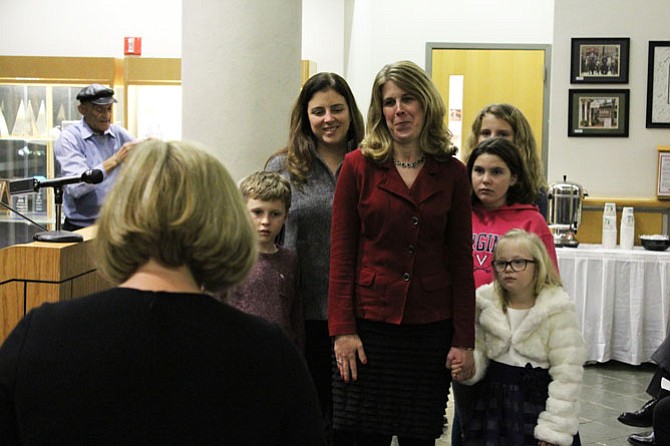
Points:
(411, 164)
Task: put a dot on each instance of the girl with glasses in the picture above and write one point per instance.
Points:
(529, 351)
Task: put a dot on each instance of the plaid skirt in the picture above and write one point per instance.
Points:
(404, 387)
(508, 403)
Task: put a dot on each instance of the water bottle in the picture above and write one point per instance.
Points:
(39, 203)
(21, 204)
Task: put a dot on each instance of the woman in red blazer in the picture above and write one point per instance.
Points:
(401, 293)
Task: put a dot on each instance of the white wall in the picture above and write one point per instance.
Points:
(384, 31)
(354, 38)
(89, 28)
(323, 34)
(357, 37)
(607, 167)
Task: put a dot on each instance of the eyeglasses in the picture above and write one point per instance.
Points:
(517, 265)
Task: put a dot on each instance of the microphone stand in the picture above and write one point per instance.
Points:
(58, 236)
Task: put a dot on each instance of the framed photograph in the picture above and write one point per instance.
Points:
(598, 112)
(658, 85)
(602, 60)
(663, 173)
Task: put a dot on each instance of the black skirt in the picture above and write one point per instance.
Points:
(404, 387)
(509, 401)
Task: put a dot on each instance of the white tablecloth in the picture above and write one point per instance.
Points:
(622, 299)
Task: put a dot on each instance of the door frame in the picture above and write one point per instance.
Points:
(430, 46)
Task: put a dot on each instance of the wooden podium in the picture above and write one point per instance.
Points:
(39, 272)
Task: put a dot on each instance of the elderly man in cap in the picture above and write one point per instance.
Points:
(92, 143)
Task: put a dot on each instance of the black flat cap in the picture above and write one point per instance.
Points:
(96, 94)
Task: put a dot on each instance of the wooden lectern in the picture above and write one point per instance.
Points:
(39, 272)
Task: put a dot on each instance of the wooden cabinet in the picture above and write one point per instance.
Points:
(34, 273)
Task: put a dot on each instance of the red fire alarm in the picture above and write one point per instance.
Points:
(132, 46)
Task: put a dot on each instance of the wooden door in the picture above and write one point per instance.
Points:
(493, 75)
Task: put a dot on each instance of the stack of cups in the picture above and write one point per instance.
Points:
(609, 226)
(627, 237)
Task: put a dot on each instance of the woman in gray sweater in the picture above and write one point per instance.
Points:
(325, 124)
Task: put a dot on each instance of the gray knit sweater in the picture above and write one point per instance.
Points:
(308, 232)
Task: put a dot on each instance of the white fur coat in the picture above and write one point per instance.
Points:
(549, 333)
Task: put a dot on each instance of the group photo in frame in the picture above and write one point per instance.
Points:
(599, 60)
(658, 85)
(601, 112)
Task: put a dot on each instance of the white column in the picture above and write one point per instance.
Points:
(240, 76)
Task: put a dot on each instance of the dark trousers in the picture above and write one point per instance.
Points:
(654, 388)
(464, 400)
(318, 355)
(69, 226)
(662, 422)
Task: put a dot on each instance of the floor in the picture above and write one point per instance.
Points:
(608, 390)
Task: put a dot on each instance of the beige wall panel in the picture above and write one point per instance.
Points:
(591, 228)
(152, 71)
(648, 217)
(307, 70)
(74, 70)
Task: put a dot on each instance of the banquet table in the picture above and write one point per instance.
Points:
(622, 299)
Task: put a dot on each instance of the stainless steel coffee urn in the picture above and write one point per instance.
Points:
(565, 212)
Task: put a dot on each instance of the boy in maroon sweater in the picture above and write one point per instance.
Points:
(271, 290)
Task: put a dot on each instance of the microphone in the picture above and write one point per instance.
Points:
(27, 185)
(93, 176)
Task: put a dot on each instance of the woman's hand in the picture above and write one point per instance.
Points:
(461, 362)
(346, 349)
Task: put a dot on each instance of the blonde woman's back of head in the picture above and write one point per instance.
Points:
(177, 204)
